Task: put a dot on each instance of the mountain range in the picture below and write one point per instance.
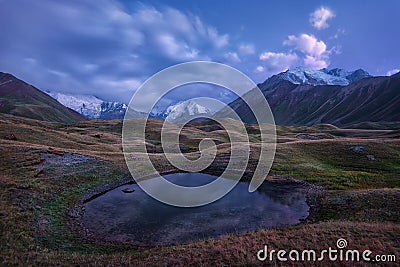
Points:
(297, 97)
(335, 76)
(345, 99)
(90, 106)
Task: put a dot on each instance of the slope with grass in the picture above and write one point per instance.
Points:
(21, 99)
(39, 190)
(368, 103)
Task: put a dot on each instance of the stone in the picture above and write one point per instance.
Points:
(371, 157)
(128, 190)
(10, 137)
(358, 149)
(55, 152)
(309, 137)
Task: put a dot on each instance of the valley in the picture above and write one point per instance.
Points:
(50, 166)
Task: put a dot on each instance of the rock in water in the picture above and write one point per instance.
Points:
(128, 190)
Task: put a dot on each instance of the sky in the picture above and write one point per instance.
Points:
(108, 48)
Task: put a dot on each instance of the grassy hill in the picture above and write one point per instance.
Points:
(21, 99)
(50, 166)
(370, 103)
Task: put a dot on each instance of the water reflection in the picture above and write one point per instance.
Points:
(138, 218)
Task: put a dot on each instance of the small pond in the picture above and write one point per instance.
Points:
(136, 217)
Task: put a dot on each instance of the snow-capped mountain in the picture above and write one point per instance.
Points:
(369, 102)
(90, 106)
(351, 76)
(94, 108)
(185, 110)
(180, 112)
(335, 76)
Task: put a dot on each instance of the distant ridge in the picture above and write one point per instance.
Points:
(92, 107)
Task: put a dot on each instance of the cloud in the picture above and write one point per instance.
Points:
(307, 51)
(307, 44)
(259, 69)
(118, 85)
(339, 33)
(314, 50)
(218, 40)
(233, 57)
(273, 63)
(314, 63)
(320, 16)
(278, 61)
(391, 72)
(175, 49)
(246, 49)
(102, 48)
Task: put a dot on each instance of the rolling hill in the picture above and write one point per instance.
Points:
(21, 99)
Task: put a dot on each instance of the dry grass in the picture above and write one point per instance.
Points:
(234, 250)
(360, 206)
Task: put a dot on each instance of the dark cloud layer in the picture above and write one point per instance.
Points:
(99, 46)
(109, 47)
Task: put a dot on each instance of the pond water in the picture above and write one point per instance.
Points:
(136, 217)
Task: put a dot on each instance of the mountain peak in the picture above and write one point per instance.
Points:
(336, 76)
(180, 112)
(91, 106)
(184, 110)
(358, 75)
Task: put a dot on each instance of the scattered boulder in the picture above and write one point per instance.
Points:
(42, 225)
(55, 152)
(358, 149)
(38, 173)
(183, 148)
(58, 152)
(128, 190)
(10, 137)
(371, 157)
(75, 213)
(309, 137)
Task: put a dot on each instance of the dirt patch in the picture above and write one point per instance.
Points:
(67, 159)
(310, 137)
(67, 164)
